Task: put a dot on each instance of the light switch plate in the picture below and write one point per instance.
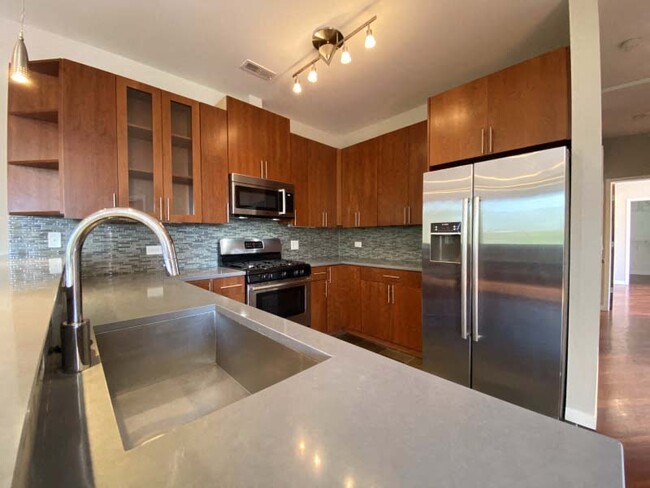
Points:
(295, 245)
(154, 250)
(357, 244)
(54, 240)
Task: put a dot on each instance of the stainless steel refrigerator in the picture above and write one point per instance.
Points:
(494, 277)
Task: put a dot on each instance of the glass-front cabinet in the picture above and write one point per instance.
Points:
(158, 152)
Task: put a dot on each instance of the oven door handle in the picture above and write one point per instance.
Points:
(279, 285)
(283, 192)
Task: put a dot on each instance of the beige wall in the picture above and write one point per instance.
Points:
(586, 214)
(627, 156)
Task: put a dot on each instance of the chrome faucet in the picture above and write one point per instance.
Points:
(75, 331)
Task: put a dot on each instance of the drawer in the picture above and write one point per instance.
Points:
(320, 273)
(205, 284)
(233, 287)
(392, 276)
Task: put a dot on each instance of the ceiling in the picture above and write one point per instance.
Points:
(423, 46)
(625, 71)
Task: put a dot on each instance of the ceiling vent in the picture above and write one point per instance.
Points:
(257, 70)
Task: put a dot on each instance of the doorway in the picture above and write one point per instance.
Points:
(624, 369)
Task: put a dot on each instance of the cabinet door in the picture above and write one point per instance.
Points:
(457, 119)
(205, 284)
(322, 185)
(407, 317)
(232, 287)
(214, 165)
(350, 160)
(300, 179)
(344, 300)
(529, 102)
(276, 147)
(359, 184)
(181, 131)
(376, 312)
(417, 167)
(393, 178)
(89, 139)
(319, 305)
(245, 142)
(139, 147)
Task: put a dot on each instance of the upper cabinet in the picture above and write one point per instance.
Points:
(214, 164)
(159, 152)
(522, 106)
(258, 142)
(359, 184)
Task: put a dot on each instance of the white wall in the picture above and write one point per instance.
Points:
(586, 214)
(627, 156)
(624, 193)
(640, 237)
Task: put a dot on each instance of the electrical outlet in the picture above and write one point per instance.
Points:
(154, 250)
(54, 240)
(55, 265)
(357, 244)
(295, 245)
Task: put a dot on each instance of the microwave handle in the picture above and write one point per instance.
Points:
(283, 192)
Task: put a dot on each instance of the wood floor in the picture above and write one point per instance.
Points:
(624, 379)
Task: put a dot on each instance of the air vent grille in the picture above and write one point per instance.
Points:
(257, 70)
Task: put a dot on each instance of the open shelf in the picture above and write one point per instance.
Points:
(52, 164)
(42, 115)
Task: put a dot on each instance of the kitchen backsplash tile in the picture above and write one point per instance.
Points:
(117, 248)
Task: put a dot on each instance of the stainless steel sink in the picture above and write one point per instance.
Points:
(165, 373)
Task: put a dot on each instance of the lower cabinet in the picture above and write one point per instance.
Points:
(232, 287)
(319, 296)
(335, 298)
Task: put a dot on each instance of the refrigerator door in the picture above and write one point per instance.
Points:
(445, 273)
(520, 264)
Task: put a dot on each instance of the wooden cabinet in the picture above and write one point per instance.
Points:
(522, 106)
(258, 142)
(402, 162)
(158, 152)
(344, 299)
(529, 103)
(318, 304)
(88, 139)
(214, 165)
(232, 287)
(313, 172)
(359, 184)
(391, 306)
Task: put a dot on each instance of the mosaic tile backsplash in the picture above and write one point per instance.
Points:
(118, 248)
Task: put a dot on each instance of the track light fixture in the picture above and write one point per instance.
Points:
(327, 41)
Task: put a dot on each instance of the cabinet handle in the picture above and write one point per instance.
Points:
(261, 168)
(114, 199)
(390, 276)
(329, 274)
(266, 169)
(230, 286)
(318, 273)
(409, 214)
(490, 137)
(326, 289)
(160, 208)
(482, 140)
(322, 219)
(388, 290)
(404, 212)
(326, 222)
(393, 290)
(168, 210)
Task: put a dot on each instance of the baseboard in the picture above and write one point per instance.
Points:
(580, 418)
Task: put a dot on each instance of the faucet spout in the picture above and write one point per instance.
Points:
(75, 331)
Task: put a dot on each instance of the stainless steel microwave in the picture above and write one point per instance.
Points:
(257, 197)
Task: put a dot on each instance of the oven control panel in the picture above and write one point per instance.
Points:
(299, 271)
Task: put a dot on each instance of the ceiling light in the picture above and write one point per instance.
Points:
(297, 87)
(327, 41)
(370, 39)
(312, 77)
(19, 68)
(346, 58)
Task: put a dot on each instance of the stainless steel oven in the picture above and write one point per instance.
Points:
(286, 298)
(257, 197)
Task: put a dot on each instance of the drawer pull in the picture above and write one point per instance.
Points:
(391, 276)
(319, 273)
(230, 286)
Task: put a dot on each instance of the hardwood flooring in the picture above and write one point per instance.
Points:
(624, 379)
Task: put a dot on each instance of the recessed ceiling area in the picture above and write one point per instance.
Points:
(423, 46)
(625, 66)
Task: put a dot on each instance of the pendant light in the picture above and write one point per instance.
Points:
(312, 77)
(297, 87)
(346, 58)
(19, 70)
(370, 39)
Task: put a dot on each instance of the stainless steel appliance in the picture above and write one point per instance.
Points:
(257, 197)
(494, 283)
(273, 284)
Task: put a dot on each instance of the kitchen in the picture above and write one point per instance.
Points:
(351, 211)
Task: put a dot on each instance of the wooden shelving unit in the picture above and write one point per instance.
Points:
(34, 181)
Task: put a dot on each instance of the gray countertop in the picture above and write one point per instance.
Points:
(209, 273)
(373, 263)
(356, 419)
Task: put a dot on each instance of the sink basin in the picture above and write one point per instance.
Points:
(165, 373)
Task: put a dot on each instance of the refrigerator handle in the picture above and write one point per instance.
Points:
(476, 228)
(464, 269)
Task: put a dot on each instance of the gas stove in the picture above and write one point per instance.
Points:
(261, 260)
